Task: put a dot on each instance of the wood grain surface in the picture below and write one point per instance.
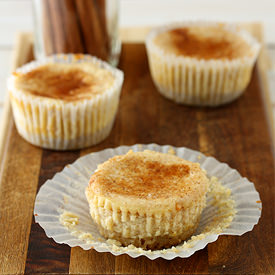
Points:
(237, 134)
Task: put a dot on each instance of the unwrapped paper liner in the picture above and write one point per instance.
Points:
(66, 192)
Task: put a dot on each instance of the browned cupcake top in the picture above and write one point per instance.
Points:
(149, 175)
(203, 43)
(65, 81)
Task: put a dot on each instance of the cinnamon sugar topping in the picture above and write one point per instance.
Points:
(203, 43)
(66, 81)
(142, 173)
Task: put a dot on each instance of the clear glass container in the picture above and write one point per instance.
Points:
(77, 26)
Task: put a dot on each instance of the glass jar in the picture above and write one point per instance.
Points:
(77, 26)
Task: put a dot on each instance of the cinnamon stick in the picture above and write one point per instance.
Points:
(76, 26)
(101, 9)
(59, 37)
(91, 27)
(71, 29)
(47, 32)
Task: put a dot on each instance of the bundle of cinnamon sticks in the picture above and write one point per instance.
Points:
(75, 26)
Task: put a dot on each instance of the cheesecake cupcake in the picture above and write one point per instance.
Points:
(147, 199)
(65, 101)
(201, 63)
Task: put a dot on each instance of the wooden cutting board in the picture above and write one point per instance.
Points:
(237, 134)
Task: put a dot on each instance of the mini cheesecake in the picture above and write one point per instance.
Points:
(201, 64)
(148, 199)
(66, 101)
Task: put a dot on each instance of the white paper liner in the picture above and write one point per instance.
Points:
(63, 125)
(66, 192)
(200, 82)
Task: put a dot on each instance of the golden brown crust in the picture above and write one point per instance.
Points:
(149, 176)
(65, 81)
(153, 242)
(203, 43)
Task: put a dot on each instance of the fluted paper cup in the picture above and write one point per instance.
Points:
(200, 82)
(63, 125)
(233, 205)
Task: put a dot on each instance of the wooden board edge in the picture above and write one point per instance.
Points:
(263, 67)
(134, 34)
(5, 130)
(21, 53)
(24, 43)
